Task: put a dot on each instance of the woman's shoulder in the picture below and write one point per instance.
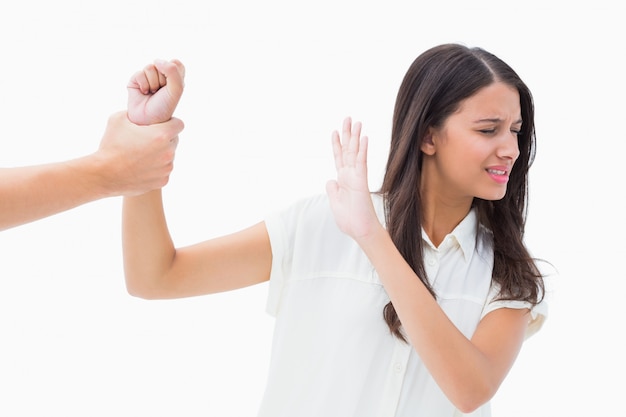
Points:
(304, 210)
(319, 205)
(308, 205)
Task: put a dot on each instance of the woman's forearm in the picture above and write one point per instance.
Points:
(147, 245)
(463, 372)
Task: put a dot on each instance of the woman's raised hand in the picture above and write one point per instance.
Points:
(349, 194)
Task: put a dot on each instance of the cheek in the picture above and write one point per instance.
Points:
(470, 156)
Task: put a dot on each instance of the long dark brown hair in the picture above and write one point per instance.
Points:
(432, 89)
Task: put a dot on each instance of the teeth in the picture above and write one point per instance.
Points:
(496, 171)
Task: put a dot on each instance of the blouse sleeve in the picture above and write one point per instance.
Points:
(278, 241)
(283, 228)
(538, 313)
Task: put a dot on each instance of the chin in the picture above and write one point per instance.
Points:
(493, 196)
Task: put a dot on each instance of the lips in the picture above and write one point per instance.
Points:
(496, 171)
(499, 174)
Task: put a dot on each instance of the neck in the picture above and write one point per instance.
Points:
(441, 213)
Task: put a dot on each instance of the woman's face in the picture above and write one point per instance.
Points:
(473, 153)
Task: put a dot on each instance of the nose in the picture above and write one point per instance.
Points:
(509, 146)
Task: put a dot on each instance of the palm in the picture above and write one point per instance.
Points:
(349, 194)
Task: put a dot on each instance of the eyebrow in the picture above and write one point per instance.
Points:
(496, 120)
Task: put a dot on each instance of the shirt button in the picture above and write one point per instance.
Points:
(431, 261)
(397, 367)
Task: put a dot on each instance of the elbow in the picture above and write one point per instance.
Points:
(468, 407)
(469, 395)
(473, 397)
(137, 293)
(141, 290)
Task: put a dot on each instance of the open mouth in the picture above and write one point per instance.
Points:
(496, 171)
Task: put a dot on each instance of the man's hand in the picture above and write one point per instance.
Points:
(137, 159)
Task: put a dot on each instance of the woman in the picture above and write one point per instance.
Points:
(411, 301)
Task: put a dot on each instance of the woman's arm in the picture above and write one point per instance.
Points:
(468, 371)
(154, 268)
(130, 160)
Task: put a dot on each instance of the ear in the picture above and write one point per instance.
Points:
(428, 144)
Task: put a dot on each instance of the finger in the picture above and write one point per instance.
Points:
(166, 131)
(153, 76)
(162, 79)
(332, 189)
(345, 132)
(140, 82)
(118, 118)
(361, 158)
(179, 67)
(174, 72)
(353, 146)
(337, 151)
(175, 125)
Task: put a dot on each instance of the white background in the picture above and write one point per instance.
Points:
(266, 84)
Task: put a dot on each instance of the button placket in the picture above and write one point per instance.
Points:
(395, 379)
(431, 264)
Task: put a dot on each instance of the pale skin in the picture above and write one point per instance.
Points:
(468, 371)
(130, 160)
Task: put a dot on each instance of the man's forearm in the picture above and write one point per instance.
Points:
(33, 192)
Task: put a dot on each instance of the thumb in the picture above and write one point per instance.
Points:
(174, 72)
(332, 188)
(172, 127)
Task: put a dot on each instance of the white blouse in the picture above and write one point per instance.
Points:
(333, 354)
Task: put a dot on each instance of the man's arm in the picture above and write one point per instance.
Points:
(130, 160)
